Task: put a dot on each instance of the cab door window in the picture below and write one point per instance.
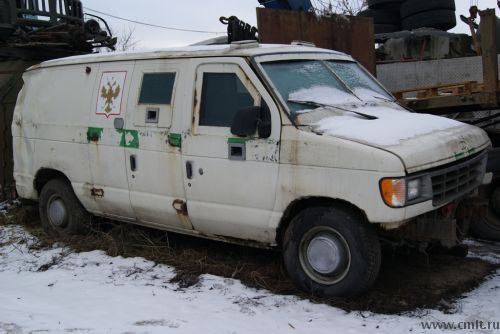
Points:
(221, 91)
(223, 94)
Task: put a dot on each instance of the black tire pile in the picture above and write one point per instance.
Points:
(397, 15)
(6, 29)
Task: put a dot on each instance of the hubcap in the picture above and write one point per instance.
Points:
(324, 255)
(56, 212)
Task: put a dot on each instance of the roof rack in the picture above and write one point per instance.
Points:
(303, 43)
(248, 44)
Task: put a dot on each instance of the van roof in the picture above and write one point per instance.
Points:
(238, 50)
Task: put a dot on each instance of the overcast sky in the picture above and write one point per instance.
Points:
(198, 15)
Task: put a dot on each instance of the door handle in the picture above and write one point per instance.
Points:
(133, 163)
(189, 170)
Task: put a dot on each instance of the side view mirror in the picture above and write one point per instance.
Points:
(245, 121)
(250, 119)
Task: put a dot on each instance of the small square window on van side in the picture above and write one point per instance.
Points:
(157, 88)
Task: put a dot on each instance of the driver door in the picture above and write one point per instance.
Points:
(230, 181)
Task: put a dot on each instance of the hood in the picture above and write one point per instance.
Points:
(421, 141)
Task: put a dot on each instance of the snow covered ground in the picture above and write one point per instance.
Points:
(58, 291)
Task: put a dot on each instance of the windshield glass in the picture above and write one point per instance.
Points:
(358, 81)
(317, 83)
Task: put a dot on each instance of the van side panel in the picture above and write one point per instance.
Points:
(50, 122)
(23, 148)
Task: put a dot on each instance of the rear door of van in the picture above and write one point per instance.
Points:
(154, 166)
(107, 140)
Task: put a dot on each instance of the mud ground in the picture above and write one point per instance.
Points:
(408, 281)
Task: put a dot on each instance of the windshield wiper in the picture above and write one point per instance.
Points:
(321, 105)
(382, 98)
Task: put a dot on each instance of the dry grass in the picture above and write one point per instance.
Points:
(405, 284)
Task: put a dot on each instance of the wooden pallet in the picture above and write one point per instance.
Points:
(458, 89)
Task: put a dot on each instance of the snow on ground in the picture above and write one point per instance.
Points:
(58, 291)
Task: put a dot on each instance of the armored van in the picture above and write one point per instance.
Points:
(283, 146)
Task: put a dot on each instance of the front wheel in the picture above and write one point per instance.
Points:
(331, 252)
(487, 226)
(60, 210)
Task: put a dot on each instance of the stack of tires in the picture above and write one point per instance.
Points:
(385, 14)
(438, 14)
(396, 15)
(6, 28)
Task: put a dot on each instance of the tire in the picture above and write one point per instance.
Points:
(442, 19)
(5, 12)
(60, 210)
(412, 7)
(386, 28)
(374, 4)
(6, 30)
(382, 16)
(341, 232)
(487, 226)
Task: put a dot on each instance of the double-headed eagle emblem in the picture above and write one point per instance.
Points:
(110, 93)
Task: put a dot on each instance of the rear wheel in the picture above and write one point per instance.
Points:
(331, 251)
(60, 210)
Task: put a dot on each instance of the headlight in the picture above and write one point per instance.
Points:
(400, 192)
(414, 190)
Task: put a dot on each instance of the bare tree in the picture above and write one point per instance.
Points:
(348, 7)
(126, 40)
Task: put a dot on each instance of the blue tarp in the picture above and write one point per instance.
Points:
(304, 5)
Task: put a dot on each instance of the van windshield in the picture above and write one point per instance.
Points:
(320, 83)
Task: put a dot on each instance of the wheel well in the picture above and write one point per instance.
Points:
(44, 175)
(300, 204)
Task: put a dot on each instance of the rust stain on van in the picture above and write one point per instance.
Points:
(195, 101)
(94, 134)
(97, 192)
(180, 206)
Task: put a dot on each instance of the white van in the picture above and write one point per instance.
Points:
(268, 145)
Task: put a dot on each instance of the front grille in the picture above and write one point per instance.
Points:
(457, 180)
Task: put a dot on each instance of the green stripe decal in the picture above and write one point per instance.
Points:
(175, 139)
(130, 139)
(459, 156)
(94, 134)
(237, 140)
